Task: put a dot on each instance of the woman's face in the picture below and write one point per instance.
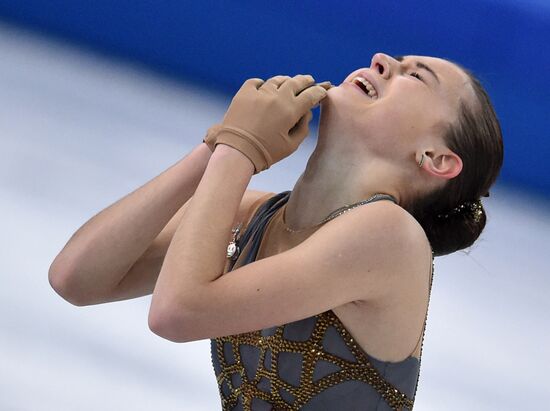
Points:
(411, 106)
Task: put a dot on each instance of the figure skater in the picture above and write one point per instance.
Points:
(314, 298)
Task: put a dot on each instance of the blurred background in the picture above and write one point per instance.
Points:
(97, 98)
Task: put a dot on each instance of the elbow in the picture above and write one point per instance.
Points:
(168, 325)
(172, 315)
(59, 280)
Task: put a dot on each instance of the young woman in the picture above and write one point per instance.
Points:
(315, 298)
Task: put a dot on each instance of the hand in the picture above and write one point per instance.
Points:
(267, 120)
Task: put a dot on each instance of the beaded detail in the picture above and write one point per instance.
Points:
(312, 349)
(475, 208)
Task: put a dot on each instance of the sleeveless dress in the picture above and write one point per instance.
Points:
(310, 364)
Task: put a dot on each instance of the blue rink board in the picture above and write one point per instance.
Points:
(221, 43)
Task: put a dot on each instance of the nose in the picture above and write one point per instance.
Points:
(382, 64)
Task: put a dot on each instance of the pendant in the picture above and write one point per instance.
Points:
(233, 249)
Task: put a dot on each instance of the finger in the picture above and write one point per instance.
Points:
(326, 85)
(276, 81)
(253, 82)
(297, 83)
(310, 97)
(301, 129)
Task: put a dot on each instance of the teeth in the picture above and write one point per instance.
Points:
(371, 91)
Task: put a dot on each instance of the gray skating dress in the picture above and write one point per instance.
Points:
(311, 364)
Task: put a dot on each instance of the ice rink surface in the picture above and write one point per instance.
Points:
(79, 131)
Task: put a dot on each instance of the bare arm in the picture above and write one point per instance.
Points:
(143, 275)
(101, 252)
(193, 300)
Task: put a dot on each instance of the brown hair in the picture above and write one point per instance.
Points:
(476, 138)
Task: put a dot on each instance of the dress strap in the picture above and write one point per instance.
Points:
(346, 208)
(256, 227)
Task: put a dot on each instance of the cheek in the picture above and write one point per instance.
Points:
(345, 104)
(398, 116)
(390, 115)
(411, 113)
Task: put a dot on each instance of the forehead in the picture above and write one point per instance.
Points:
(454, 82)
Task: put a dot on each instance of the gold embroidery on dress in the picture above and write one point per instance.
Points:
(312, 351)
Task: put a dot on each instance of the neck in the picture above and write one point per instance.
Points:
(328, 183)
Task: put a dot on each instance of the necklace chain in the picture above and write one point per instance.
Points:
(335, 213)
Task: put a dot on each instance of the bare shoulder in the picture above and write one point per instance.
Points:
(384, 240)
(390, 223)
(401, 223)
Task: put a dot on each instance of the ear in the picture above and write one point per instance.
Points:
(444, 164)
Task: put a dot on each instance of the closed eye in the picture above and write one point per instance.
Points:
(415, 74)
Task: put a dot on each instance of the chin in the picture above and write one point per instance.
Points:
(336, 96)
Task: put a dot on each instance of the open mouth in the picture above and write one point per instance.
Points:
(366, 86)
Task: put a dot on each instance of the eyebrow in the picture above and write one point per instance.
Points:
(420, 65)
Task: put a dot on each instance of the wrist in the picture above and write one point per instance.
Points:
(248, 145)
(205, 151)
(224, 152)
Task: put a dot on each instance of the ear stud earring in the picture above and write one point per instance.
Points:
(421, 161)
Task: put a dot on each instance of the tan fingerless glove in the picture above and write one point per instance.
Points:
(267, 121)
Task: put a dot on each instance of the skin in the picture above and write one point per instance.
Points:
(380, 280)
(375, 145)
(365, 146)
